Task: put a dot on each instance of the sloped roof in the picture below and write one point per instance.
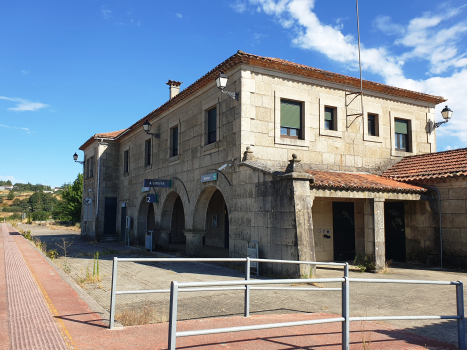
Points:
(285, 66)
(360, 181)
(432, 166)
(105, 135)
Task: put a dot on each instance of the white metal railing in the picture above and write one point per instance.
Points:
(244, 286)
(345, 319)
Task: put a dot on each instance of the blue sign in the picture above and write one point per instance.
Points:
(209, 177)
(157, 183)
(151, 198)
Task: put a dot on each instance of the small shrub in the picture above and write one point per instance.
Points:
(364, 263)
(52, 254)
(12, 210)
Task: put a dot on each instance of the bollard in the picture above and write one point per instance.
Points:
(460, 312)
(112, 293)
(247, 288)
(173, 315)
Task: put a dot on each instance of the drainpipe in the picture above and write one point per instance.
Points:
(98, 185)
(433, 188)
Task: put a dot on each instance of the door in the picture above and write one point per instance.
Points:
(122, 223)
(226, 228)
(178, 222)
(110, 216)
(343, 220)
(394, 224)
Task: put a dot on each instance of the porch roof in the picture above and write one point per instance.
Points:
(360, 181)
(431, 166)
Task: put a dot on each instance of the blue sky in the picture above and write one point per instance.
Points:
(69, 69)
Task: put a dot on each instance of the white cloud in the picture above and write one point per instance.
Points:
(24, 71)
(27, 130)
(426, 38)
(179, 15)
(106, 12)
(11, 178)
(24, 105)
(385, 24)
(239, 6)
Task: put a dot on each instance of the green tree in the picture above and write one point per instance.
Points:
(11, 195)
(69, 209)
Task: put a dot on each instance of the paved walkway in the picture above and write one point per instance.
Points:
(76, 326)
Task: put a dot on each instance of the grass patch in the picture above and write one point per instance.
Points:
(138, 316)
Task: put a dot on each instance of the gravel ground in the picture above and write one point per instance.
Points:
(366, 299)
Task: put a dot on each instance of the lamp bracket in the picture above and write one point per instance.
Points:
(79, 161)
(438, 124)
(152, 134)
(233, 95)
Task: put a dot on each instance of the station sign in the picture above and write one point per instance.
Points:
(157, 183)
(209, 177)
(152, 198)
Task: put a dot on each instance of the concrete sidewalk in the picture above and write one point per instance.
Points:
(80, 328)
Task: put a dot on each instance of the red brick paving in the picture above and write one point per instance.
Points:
(83, 329)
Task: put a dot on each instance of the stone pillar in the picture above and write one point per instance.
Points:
(194, 242)
(374, 232)
(380, 248)
(163, 239)
(303, 203)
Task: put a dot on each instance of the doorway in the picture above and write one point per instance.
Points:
(178, 222)
(343, 219)
(110, 216)
(394, 225)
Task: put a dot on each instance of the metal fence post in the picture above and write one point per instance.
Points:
(247, 287)
(173, 315)
(112, 293)
(345, 309)
(460, 312)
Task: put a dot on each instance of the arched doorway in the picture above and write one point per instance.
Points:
(178, 223)
(216, 239)
(151, 219)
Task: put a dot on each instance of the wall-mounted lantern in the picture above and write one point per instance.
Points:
(147, 128)
(221, 82)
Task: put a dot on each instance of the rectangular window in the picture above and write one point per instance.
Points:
(147, 152)
(174, 141)
(212, 125)
(330, 122)
(373, 124)
(291, 119)
(90, 165)
(401, 128)
(126, 164)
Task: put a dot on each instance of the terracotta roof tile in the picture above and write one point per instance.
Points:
(360, 181)
(440, 165)
(105, 135)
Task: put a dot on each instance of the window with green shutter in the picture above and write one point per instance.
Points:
(291, 119)
(401, 131)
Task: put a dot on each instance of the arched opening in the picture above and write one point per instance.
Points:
(138, 237)
(216, 238)
(178, 223)
(151, 219)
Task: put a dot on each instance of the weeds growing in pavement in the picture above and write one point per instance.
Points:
(364, 263)
(366, 336)
(52, 254)
(387, 265)
(138, 316)
(64, 246)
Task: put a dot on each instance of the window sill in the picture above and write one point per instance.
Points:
(290, 141)
(174, 159)
(332, 133)
(89, 178)
(211, 147)
(149, 166)
(399, 153)
(126, 174)
(372, 138)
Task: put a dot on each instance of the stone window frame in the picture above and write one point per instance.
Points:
(372, 109)
(89, 167)
(338, 103)
(295, 95)
(145, 159)
(172, 124)
(207, 104)
(127, 165)
(412, 145)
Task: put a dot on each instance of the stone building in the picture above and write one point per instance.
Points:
(290, 160)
